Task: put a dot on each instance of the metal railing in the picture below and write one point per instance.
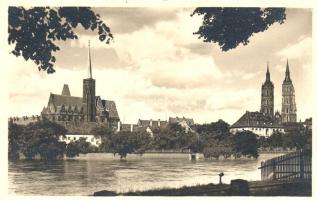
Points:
(295, 165)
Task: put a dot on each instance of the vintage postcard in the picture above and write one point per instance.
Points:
(179, 100)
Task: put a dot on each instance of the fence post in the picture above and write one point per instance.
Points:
(274, 169)
(262, 171)
(301, 164)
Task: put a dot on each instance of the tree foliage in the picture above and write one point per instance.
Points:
(34, 31)
(245, 144)
(295, 137)
(230, 27)
(15, 133)
(74, 148)
(123, 143)
(174, 137)
(39, 138)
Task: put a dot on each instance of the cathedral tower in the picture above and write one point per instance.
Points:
(267, 96)
(89, 96)
(288, 98)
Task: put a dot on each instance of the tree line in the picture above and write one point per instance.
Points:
(214, 140)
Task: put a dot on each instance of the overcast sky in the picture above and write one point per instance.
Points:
(157, 68)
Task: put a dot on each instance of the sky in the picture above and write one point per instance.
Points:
(157, 68)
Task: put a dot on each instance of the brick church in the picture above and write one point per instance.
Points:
(88, 109)
(265, 122)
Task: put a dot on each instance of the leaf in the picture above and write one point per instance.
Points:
(34, 31)
(229, 27)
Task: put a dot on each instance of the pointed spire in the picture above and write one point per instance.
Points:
(268, 73)
(287, 67)
(287, 73)
(89, 60)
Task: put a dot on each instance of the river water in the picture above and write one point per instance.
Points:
(95, 172)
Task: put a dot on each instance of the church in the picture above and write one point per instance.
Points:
(87, 110)
(265, 122)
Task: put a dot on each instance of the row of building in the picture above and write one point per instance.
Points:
(80, 115)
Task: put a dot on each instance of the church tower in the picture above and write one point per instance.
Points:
(89, 96)
(288, 98)
(267, 96)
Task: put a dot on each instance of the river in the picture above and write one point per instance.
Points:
(95, 172)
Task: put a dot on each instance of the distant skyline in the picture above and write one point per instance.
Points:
(156, 68)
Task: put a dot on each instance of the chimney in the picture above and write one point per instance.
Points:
(119, 126)
(131, 128)
(151, 123)
(158, 122)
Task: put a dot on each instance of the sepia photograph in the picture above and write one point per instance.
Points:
(159, 101)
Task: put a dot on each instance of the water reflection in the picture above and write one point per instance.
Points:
(100, 172)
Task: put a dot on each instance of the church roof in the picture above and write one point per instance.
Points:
(59, 100)
(255, 119)
(111, 109)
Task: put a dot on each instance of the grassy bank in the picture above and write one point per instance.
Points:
(255, 188)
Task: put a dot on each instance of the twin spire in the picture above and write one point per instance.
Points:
(89, 62)
(287, 73)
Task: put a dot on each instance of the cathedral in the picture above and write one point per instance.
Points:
(86, 109)
(265, 122)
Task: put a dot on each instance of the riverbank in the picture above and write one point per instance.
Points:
(237, 187)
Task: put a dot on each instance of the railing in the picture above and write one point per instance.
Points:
(295, 165)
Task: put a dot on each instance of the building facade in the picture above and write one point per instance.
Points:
(258, 123)
(288, 99)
